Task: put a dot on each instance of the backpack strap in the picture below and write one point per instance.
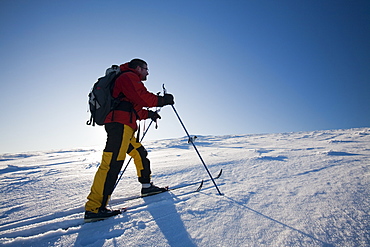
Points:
(90, 121)
(120, 104)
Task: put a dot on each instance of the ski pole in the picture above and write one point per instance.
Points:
(158, 110)
(131, 157)
(192, 142)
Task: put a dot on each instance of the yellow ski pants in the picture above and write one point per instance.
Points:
(120, 140)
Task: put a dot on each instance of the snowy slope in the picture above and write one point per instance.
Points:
(289, 189)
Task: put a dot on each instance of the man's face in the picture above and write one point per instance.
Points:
(144, 72)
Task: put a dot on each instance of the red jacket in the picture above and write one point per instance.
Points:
(129, 83)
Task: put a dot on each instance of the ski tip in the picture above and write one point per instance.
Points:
(200, 186)
(219, 174)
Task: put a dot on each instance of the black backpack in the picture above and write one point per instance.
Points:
(101, 101)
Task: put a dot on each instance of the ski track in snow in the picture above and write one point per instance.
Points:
(287, 189)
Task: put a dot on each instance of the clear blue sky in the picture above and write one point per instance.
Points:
(234, 67)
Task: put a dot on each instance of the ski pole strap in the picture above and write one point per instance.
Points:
(138, 134)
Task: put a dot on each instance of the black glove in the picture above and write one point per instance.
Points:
(167, 99)
(153, 115)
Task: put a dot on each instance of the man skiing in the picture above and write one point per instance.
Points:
(120, 125)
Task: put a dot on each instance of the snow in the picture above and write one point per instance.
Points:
(287, 189)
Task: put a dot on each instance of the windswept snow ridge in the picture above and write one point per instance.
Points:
(288, 189)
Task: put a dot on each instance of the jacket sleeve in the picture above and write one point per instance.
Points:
(135, 91)
(143, 114)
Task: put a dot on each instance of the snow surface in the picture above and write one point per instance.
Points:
(288, 189)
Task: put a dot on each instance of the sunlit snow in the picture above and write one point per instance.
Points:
(288, 189)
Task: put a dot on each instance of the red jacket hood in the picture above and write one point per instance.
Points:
(124, 67)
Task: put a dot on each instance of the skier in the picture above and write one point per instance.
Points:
(120, 125)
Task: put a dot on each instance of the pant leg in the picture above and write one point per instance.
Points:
(118, 140)
(137, 151)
